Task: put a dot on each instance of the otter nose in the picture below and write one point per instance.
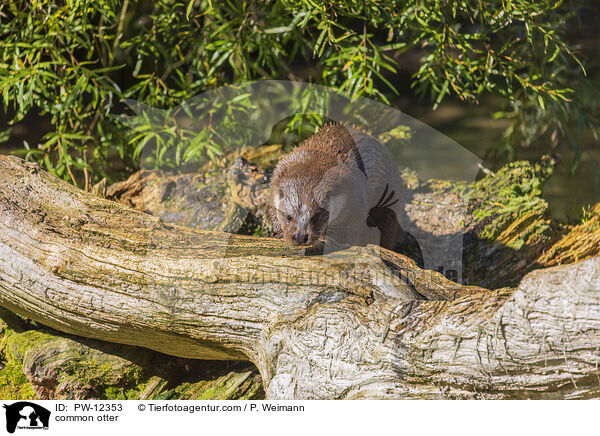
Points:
(300, 238)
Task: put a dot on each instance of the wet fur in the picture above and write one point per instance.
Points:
(307, 182)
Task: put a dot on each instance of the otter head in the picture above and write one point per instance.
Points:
(302, 219)
(309, 204)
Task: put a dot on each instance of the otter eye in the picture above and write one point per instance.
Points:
(289, 218)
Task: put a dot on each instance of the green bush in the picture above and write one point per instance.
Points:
(76, 60)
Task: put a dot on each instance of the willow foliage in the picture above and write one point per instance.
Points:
(77, 60)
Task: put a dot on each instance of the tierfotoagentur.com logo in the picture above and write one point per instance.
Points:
(26, 415)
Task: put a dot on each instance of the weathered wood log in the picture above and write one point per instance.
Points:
(354, 325)
(38, 362)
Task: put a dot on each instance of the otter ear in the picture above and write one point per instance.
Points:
(323, 195)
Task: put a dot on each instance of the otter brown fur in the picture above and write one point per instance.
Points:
(338, 188)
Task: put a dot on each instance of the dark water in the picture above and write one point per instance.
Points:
(474, 128)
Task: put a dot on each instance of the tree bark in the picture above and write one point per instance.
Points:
(353, 325)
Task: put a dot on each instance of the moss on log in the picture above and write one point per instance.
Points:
(38, 362)
(512, 233)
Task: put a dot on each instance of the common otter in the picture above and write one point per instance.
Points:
(338, 188)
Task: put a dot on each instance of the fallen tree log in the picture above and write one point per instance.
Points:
(38, 362)
(354, 325)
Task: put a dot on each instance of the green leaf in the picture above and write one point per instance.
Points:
(441, 94)
(188, 10)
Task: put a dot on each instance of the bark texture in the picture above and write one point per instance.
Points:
(353, 325)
